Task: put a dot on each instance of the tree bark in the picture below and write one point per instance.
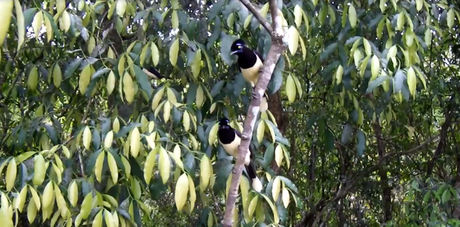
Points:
(273, 56)
(386, 189)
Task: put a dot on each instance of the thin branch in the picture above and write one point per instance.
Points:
(257, 15)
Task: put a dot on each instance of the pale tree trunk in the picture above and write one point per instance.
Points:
(276, 49)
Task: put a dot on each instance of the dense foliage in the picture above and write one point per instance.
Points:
(362, 128)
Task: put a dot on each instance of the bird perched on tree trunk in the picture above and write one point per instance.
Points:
(250, 63)
(230, 139)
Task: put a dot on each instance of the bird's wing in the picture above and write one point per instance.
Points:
(259, 55)
(238, 133)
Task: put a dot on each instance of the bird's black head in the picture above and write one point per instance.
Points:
(237, 47)
(224, 122)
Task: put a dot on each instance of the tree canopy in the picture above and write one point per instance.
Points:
(362, 127)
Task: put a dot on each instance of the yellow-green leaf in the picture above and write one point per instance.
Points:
(411, 81)
(276, 188)
(174, 19)
(339, 74)
(121, 8)
(205, 172)
(196, 64)
(35, 198)
(86, 205)
(213, 133)
(293, 42)
(112, 167)
(253, 205)
(375, 67)
(155, 54)
(48, 195)
(21, 199)
(450, 18)
(36, 22)
(285, 197)
(164, 165)
(352, 15)
(98, 166)
(87, 138)
(135, 142)
(128, 87)
(20, 23)
(279, 155)
(32, 81)
(157, 98)
(167, 111)
(290, 89)
(174, 52)
(11, 173)
(298, 15)
(181, 191)
(149, 164)
(85, 78)
(39, 170)
(111, 81)
(72, 193)
(97, 222)
(260, 131)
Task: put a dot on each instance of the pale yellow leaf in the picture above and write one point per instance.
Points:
(181, 191)
(11, 173)
(174, 52)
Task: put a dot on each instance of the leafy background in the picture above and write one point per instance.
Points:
(362, 128)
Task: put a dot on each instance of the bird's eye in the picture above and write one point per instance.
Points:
(239, 47)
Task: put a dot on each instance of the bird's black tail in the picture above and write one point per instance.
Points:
(255, 181)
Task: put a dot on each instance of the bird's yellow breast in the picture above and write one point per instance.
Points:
(252, 74)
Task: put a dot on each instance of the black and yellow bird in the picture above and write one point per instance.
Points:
(230, 139)
(153, 73)
(250, 63)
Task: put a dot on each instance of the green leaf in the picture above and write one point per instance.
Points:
(56, 31)
(361, 145)
(329, 140)
(52, 133)
(277, 78)
(100, 72)
(191, 94)
(399, 81)
(29, 16)
(289, 184)
(96, 138)
(268, 156)
(375, 83)
(124, 130)
(91, 161)
(143, 81)
(216, 8)
(217, 88)
(225, 44)
(328, 51)
(347, 133)
(70, 69)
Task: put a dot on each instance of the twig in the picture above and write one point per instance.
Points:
(273, 56)
(257, 15)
